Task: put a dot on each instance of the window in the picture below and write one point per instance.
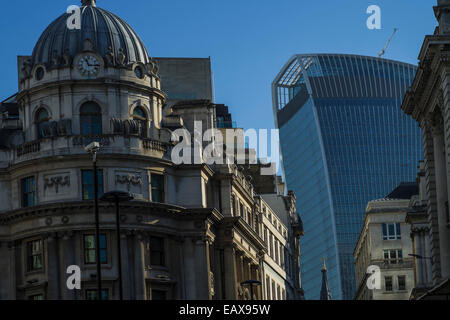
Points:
(35, 256)
(271, 245)
(268, 288)
(157, 251)
(401, 283)
(157, 184)
(393, 256)
(90, 255)
(391, 231)
(388, 283)
(42, 117)
(91, 294)
(159, 295)
(274, 295)
(88, 184)
(91, 119)
(140, 116)
(28, 192)
(36, 297)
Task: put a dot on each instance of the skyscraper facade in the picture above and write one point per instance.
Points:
(344, 141)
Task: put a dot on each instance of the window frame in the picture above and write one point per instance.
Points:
(86, 291)
(162, 259)
(155, 189)
(100, 177)
(24, 195)
(142, 120)
(39, 122)
(390, 278)
(91, 116)
(85, 249)
(404, 282)
(30, 256)
(389, 259)
(386, 232)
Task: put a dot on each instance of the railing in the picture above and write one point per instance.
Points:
(29, 147)
(154, 145)
(83, 140)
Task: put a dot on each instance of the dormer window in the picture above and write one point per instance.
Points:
(140, 116)
(42, 117)
(91, 119)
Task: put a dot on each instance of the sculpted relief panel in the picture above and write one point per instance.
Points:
(129, 181)
(56, 184)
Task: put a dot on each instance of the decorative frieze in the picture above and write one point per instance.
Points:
(56, 182)
(129, 180)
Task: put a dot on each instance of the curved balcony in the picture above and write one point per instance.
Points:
(71, 145)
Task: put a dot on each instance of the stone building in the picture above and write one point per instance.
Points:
(184, 236)
(385, 242)
(428, 102)
(417, 218)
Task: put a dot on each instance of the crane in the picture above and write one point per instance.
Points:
(387, 44)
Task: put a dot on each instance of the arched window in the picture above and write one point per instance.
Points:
(91, 119)
(42, 117)
(140, 116)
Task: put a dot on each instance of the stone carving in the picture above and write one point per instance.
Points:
(67, 58)
(26, 68)
(116, 125)
(129, 180)
(121, 57)
(64, 127)
(110, 57)
(131, 127)
(55, 58)
(88, 45)
(56, 182)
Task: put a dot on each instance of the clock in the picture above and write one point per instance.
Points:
(88, 65)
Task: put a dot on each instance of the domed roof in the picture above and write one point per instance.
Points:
(104, 29)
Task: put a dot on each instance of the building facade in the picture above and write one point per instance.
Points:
(428, 103)
(344, 142)
(385, 242)
(183, 236)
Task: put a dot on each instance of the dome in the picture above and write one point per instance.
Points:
(107, 32)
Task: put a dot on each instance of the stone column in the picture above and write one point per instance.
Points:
(230, 272)
(12, 271)
(190, 270)
(202, 269)
(428, 264)
(126, 267)
(68, 258)
(442, 197)
(139, 268)
(53, 268)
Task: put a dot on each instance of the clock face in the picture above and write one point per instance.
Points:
(88, 65)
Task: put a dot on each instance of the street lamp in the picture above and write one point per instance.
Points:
(251, 283)
(419, 256)
(93, 148)
(117, 197)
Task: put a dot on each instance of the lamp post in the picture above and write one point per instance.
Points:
(93, 148)
(251, 283)
(117, 197)
(417, 256)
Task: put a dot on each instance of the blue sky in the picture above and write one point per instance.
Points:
(248, 40)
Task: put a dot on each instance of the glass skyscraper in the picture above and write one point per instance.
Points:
(344, 141)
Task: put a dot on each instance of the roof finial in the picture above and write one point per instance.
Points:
(325, 293)
(88, 3)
